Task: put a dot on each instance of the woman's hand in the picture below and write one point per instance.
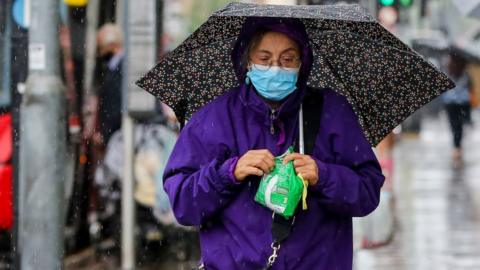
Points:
(304, 165)
(254, 162)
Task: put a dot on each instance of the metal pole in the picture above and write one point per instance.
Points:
(372, 8)
(12, 99)
(93, 9)
(415, 16)
(5, 95)
(43, 145)
(128, 205)
(128, 125)
(19, 77)
(121, 13)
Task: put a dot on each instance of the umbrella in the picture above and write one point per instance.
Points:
(467, 45)
(382, 78)
(469, 8)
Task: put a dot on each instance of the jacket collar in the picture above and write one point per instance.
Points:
(289, 107)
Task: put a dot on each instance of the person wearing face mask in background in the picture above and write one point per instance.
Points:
(102, 116)
(110, 54)
(225, 148)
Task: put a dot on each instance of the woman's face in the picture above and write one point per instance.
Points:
(276, 49)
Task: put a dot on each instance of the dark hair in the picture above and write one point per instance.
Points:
(456, 64)
(254, 41)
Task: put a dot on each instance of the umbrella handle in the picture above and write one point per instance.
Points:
(301, 142)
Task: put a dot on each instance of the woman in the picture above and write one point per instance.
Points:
(457, 104)
(215, 168)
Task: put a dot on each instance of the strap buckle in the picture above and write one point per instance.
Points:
(271, 260)
(280, 231)
(293, 218)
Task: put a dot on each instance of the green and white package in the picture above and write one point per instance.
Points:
(281, 189)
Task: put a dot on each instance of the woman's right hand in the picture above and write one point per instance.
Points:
(254, 162)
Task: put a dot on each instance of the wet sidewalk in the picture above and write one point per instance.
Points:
(438, 207)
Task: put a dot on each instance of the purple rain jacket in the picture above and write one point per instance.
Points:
(234, 229)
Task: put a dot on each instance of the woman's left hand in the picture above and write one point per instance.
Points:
(304, 165)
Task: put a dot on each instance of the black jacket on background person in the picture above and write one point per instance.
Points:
(110, 101)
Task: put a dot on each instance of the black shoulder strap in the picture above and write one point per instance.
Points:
(312, 110)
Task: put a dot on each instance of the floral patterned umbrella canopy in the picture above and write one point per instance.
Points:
(383, 79)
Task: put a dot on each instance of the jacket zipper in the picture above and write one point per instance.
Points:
(272, 117)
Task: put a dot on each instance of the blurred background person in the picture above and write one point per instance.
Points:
(377, 229)
(110, 52)
(106, 109)
(457, 103)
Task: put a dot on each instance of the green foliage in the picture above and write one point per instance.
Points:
(201, 10)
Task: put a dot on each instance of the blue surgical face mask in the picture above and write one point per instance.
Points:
(273, 83)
